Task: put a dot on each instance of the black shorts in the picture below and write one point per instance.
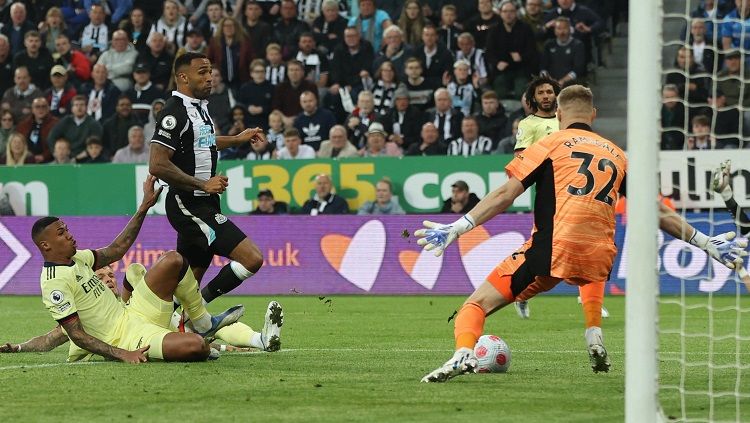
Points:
(202, 231)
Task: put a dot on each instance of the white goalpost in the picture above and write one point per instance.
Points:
(641, 311)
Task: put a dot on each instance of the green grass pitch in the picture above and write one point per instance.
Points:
(360, 358)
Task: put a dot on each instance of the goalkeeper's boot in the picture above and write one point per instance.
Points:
(597, 353)
(271, 334)
(722, 176)
(462, 362)
(523, 309)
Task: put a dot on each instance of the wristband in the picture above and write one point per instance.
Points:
(699, 239)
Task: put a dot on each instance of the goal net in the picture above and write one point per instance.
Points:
(688, 335)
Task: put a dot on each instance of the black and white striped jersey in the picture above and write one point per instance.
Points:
(183, 125)
(459, 147)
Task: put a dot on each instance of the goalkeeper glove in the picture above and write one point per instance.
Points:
(438, 237)
(723, 248)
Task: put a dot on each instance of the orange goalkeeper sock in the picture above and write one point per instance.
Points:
(469, 325)
(592, 297)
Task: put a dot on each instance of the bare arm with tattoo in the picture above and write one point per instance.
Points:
(42, 343)
(162, 167)
(78, 335)
(121, 244)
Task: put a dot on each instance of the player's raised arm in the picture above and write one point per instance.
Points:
(123, 242)
(78, 335)
(42, 343)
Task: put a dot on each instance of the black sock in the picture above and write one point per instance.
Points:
(739, 216)
(224, 282)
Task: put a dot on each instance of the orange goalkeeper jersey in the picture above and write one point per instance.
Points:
(578, 176)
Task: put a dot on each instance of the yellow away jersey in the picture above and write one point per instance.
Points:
(533, 128)
(74, 288)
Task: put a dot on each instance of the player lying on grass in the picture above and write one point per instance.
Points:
(722, 184)
(578, 175)
(96, 322)
(238, 336)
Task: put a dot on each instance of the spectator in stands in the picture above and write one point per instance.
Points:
(448, 31)
(377, 146)
(17, 28)
(564, 58)
(137, 26)
(262, 150)
(102, 94)
(586, 23)
(158, 60)
(692, 88)
(6, 64)
(293, 147)
(316, 64)
(360, 118)
(143, 93)
(75, 63)
(383, 87)
(36, 128)
(18, 98)
(268, 205)
(77, 126)
(727, 121)
(473, 55)
(437, 59)
(286, 95)
(470, 143)
(492, 120)
(430, 144)
(704, 52)
(276, 129)
(120, 60)
(329, 27)
(352, 59)
(403, 122)
(314, 122)
(731, 83)
(734, 28)
(52, 26)
(446, 119)
(258, 30)
(115, 127)
(511, 53)
(713, 16)
(287, 30)
(420, 90)
(461, 200)
(394, 50)
(94, 152)
(137, 151)
(534, 18)
(173, 25)
(464, 89)
(672, 119)
(238, 118)
(337, 146)
(220, 101)
(276, 68)
(371, 22)
(324, 201)
(507, 145)
(150, 126)
(76, 15)
(16, 152)
(95, 36)
(36, 59)
(7, 127)
(61, 152)
(210, 23)
(700, 138)
(256, 95)
(230, 51)
(479, 25)
(384, 202)
(412, 22)
(61, 92)
(194, 43)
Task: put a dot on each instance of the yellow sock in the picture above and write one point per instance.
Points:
(237, 334)
(189, 295)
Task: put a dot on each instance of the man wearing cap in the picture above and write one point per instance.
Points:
(267, 204)
(143, 92)
(324, 201)
(729, 81)
(377, 145)
(403, 121)
(337, 146)
(461, 200)
(119, 60)
(60, 93)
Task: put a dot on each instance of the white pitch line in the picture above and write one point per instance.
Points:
(40, 366)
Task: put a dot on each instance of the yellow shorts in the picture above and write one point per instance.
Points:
(133, 332)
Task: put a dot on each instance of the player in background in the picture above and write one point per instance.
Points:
(97, 322)
(722, 184)
(578, 175)
(184, 155)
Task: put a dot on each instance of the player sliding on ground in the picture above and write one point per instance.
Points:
(97, 322)
(578, 175)
(238, 336)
